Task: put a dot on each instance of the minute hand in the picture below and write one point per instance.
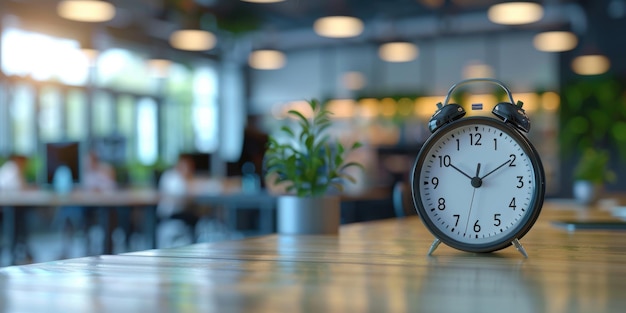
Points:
(497, 168)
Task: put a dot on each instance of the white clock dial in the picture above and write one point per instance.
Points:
(476, 183)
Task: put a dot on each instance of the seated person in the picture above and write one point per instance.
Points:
(96, 176)
(13, 178)
(174, 184)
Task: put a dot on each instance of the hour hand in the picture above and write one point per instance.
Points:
(460, 171)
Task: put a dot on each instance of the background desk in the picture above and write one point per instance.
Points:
(377, 266)
(11, 201)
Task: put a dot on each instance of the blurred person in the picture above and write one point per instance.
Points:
(12, 173)
(13, 179)
(174, 184)
(97, 176)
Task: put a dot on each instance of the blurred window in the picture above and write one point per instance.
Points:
(126, 122)
(43, 57)
(177, 112)
(147, 136)
(5, 122)
(102, 114)
(123, 70)
(205, 113)
(22, 110)
(76, 114)
(50, 114)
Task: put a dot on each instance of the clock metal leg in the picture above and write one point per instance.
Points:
(519, 247)
(434, 246)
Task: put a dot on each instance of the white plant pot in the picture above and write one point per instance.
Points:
(309, 215)
(586, 192)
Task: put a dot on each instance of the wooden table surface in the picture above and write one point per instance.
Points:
(378, 266)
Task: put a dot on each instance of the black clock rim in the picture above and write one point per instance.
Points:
(534, 209)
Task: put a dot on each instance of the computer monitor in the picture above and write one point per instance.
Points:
(63, 153)
(201, 161)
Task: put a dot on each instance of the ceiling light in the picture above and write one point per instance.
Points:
(555, 41)
(398, 52)
(86, 10)
(593, 64)
(192, 40)
(266, 59)
(515, 13)
(338, 26)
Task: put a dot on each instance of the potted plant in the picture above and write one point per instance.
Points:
(313, 168)
(590, 174)
(592, 118)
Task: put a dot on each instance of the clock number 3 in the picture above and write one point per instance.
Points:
(520, 180)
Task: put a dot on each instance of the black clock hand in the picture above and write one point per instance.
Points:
(497, 168)
(456, 168)
(477, 181)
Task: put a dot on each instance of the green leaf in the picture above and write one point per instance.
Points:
(356, 145)
(348, 177)
(340, 148)
(351, 164)
(288, 131)
(314, 103)
(303, 119)
(338, 160)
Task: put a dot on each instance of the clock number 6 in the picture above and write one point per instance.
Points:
(476, 227)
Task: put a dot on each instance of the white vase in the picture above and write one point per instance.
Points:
(586, 192)
(309, 215)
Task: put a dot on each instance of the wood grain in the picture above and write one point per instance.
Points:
(378, 266)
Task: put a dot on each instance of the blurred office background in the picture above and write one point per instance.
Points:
(123, 80)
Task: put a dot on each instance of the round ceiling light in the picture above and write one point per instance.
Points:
(515, 13)
(266, 59)
(192, 40)
(338, 26)
(398, 52)
(86, 10)
(555, 41)
(593, 64)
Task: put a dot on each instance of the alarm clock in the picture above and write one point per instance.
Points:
(478, 183)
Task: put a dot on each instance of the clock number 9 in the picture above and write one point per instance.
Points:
(435, 182)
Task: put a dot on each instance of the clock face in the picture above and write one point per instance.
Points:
(478, 184)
